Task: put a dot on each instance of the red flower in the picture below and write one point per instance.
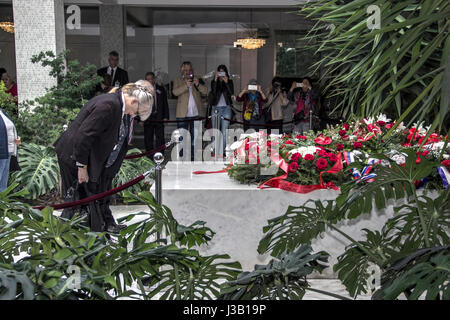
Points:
(345, 138)
(301, 137)
(446, 163)
(247, 146)
(293, 167)
(309, 157)
(323, 140)
(425, 153)
(321, 164)
(333, 158)
(289, 142)
(346, 127)
(381, 123)
(296, 156)
(388, 126)
(323, 153)
(357, 145)
(342, 133)
(339, 147)
(418, 160)
(406, 145)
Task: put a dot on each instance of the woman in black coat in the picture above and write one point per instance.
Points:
(222, 90)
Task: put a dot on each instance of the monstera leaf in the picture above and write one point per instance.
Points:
(131, 169)
(282, 278)
(393, 182)
(299, 225)
(427, 271)
(406, 226)
(202, 280)
(40, 170)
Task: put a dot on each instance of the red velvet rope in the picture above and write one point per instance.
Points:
(94, 197)
(258, 125)
(174, 121)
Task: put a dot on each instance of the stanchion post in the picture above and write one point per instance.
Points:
(159, 159)
(310, 119)
(216, 126)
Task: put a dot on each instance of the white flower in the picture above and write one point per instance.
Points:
(352, 137)
(236, 145)
(400, 127)
(382, 117)
(398, 158)
(305, 150)
(368, 121)
(420, 129)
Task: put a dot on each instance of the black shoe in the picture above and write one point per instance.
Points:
(115, 228)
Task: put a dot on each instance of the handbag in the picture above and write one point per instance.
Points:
(14, 164)
(91, 212)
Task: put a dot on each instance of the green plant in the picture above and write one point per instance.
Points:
(7, 103)
(282, 278)
(424, 272)
(422, 222)
(75, 85)
(403, 68)
(50, 246)
(40, 170)
(131, 169)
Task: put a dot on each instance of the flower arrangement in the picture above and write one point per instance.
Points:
(320, 159)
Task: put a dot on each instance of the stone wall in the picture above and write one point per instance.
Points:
(39, 26)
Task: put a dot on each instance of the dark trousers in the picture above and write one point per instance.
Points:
(69, 176)
(189, 126)
(275, 125)
(152, 131)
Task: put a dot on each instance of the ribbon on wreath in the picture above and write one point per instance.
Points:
(281, 182)
(365, 174)
(445, 176)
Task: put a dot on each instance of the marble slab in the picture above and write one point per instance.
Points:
(237, 213)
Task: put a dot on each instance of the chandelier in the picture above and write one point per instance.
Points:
(7, 26)
(251, 43)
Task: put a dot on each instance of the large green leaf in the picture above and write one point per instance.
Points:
(40, 170)
(282, 278)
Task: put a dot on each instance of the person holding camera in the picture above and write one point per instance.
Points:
(304, 98)
(222, 90)
(253, 99)
(277, 100)
(189, 91)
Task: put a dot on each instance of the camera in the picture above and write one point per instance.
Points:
(221, 74)
(299, 85)
(252, 87)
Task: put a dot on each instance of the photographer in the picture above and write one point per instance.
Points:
(273, 110)
(189, 91)
(304, 98)
(253, 99)
(222, 90)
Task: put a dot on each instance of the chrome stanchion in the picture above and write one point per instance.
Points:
(159, 159)
(310, 119)
(216, 140)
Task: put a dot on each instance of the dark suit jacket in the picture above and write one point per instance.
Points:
(218, 88)
(161, 111)
(93, 134)
(121, 75)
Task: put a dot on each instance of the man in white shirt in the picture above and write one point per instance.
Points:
(119, 76)
(189, 91)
